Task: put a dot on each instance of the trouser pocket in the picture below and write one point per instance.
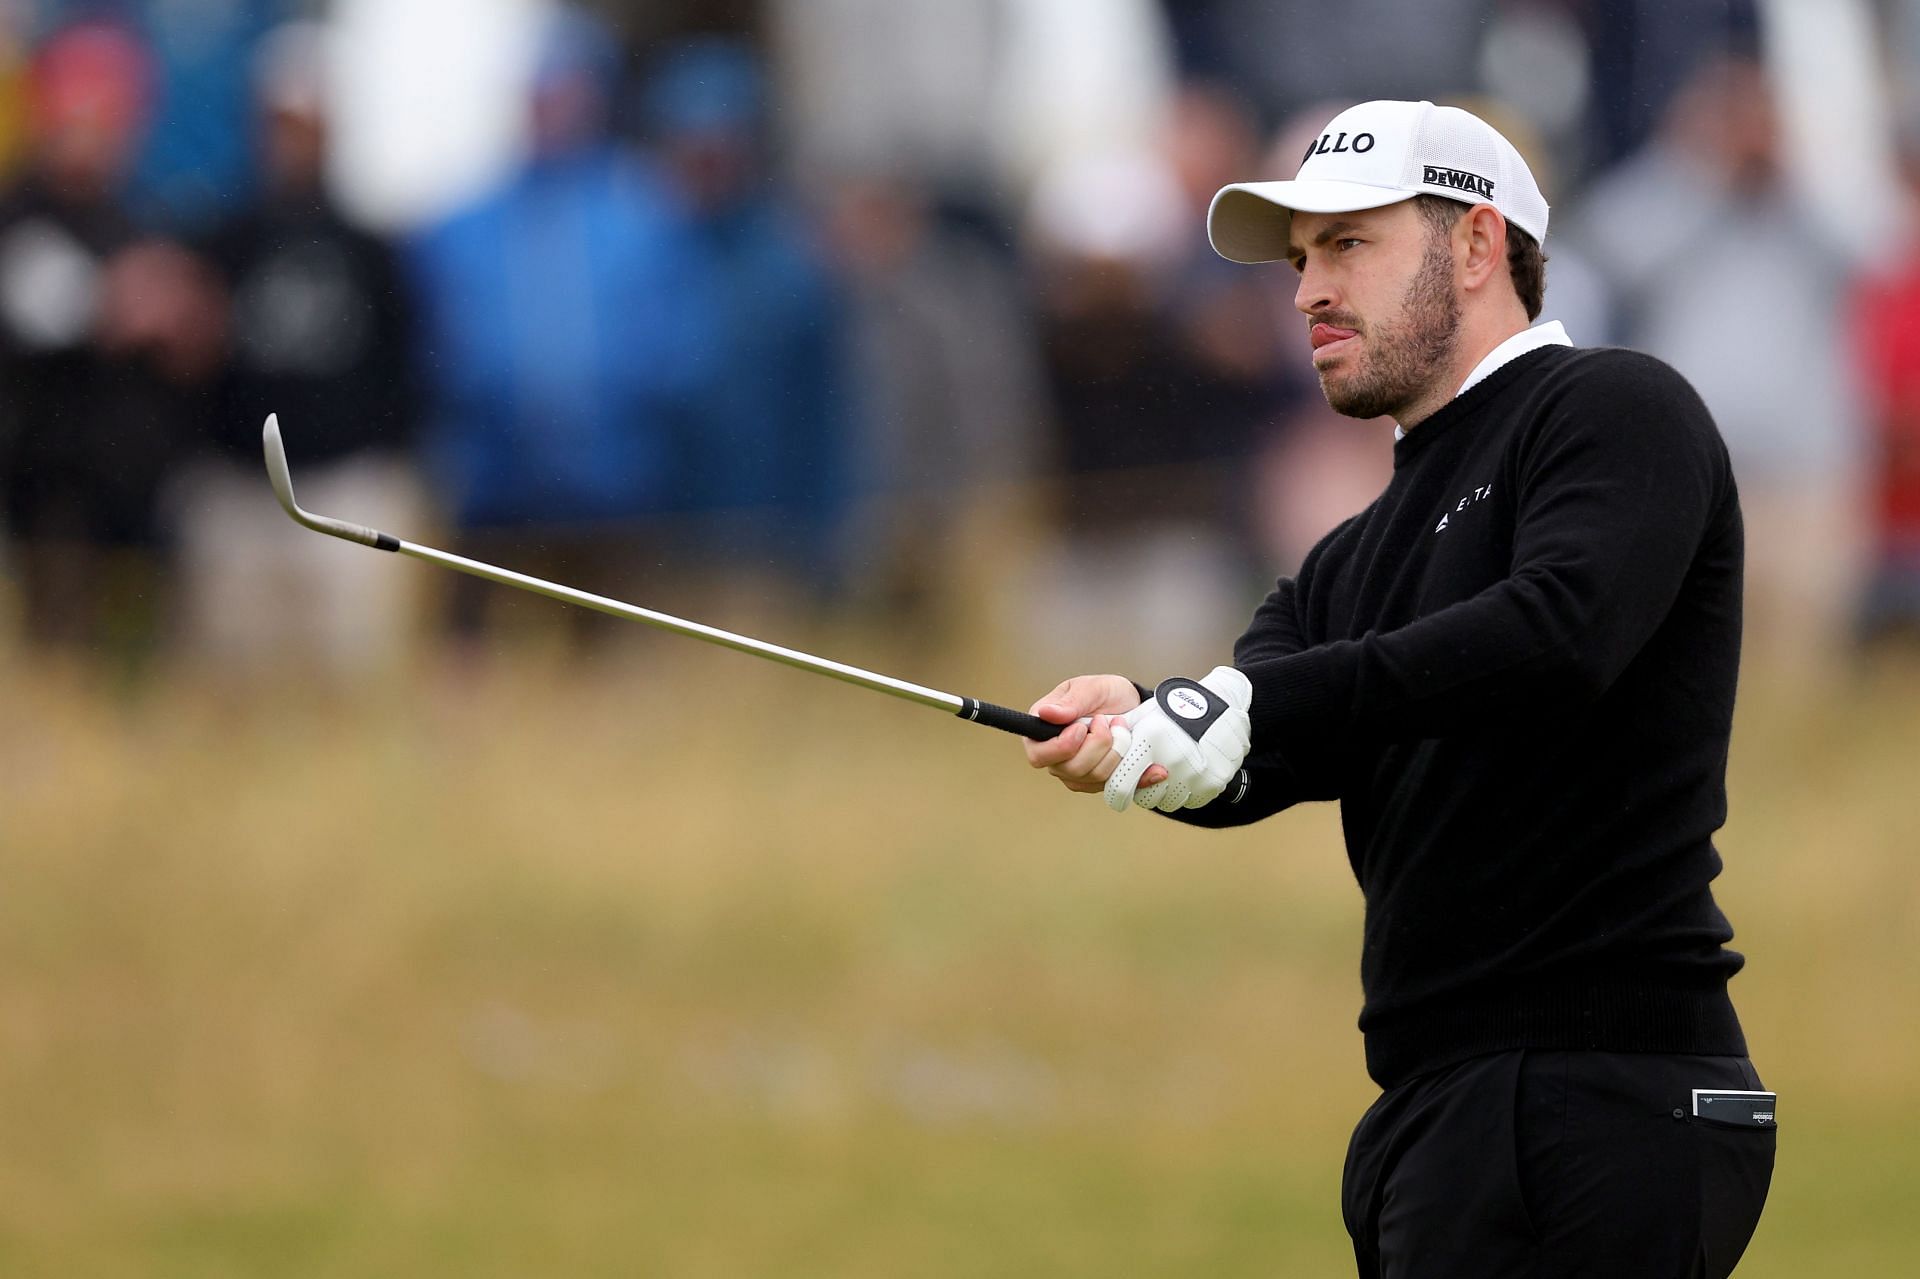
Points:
(1737, 1136)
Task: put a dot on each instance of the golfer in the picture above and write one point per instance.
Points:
(1515, 671)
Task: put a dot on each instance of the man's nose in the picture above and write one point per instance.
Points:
(1315, 292)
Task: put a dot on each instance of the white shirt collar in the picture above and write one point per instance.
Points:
(1552, 333)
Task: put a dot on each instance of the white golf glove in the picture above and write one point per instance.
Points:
(1197, 730)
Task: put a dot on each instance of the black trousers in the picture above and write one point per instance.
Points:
(1556, 1165)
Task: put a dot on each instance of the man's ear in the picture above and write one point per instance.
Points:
(1480, 245)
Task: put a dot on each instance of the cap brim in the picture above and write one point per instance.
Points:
(1250, 221)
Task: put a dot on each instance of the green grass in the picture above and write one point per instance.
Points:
(677, 965)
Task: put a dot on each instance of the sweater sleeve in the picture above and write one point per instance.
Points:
(1617, 484)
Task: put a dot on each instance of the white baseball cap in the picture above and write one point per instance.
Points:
(1376, 154)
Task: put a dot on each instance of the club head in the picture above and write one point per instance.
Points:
(282, 480)
(277, 474)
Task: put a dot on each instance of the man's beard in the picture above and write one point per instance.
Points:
(1402, 358)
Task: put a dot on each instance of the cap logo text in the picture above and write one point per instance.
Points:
(1458, 179)
(1327, 144)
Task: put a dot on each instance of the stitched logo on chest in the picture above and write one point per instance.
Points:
(1480, 494)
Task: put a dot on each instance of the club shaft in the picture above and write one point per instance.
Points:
(972, 709)
(693, 630)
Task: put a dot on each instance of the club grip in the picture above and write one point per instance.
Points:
(1019, 723)
(1036, 729)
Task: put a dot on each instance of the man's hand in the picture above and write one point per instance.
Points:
(1194, 732)
(1083, 757)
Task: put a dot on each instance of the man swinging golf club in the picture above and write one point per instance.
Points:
(1515, 670)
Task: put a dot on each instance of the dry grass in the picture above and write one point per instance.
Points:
(671, 964)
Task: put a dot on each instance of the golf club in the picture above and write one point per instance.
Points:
(967, 708)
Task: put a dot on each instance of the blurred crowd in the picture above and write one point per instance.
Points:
(856, 307)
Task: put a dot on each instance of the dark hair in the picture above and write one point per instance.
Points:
(1526, 264)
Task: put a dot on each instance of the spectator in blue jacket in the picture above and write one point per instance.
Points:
(563, 329)
(770, 449)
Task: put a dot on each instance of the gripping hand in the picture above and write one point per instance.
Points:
(1197, 730)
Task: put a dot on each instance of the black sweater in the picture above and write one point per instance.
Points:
(1515, 671)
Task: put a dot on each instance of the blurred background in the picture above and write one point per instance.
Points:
(354, 920)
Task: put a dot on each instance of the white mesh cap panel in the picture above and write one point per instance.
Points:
(1452, 147)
